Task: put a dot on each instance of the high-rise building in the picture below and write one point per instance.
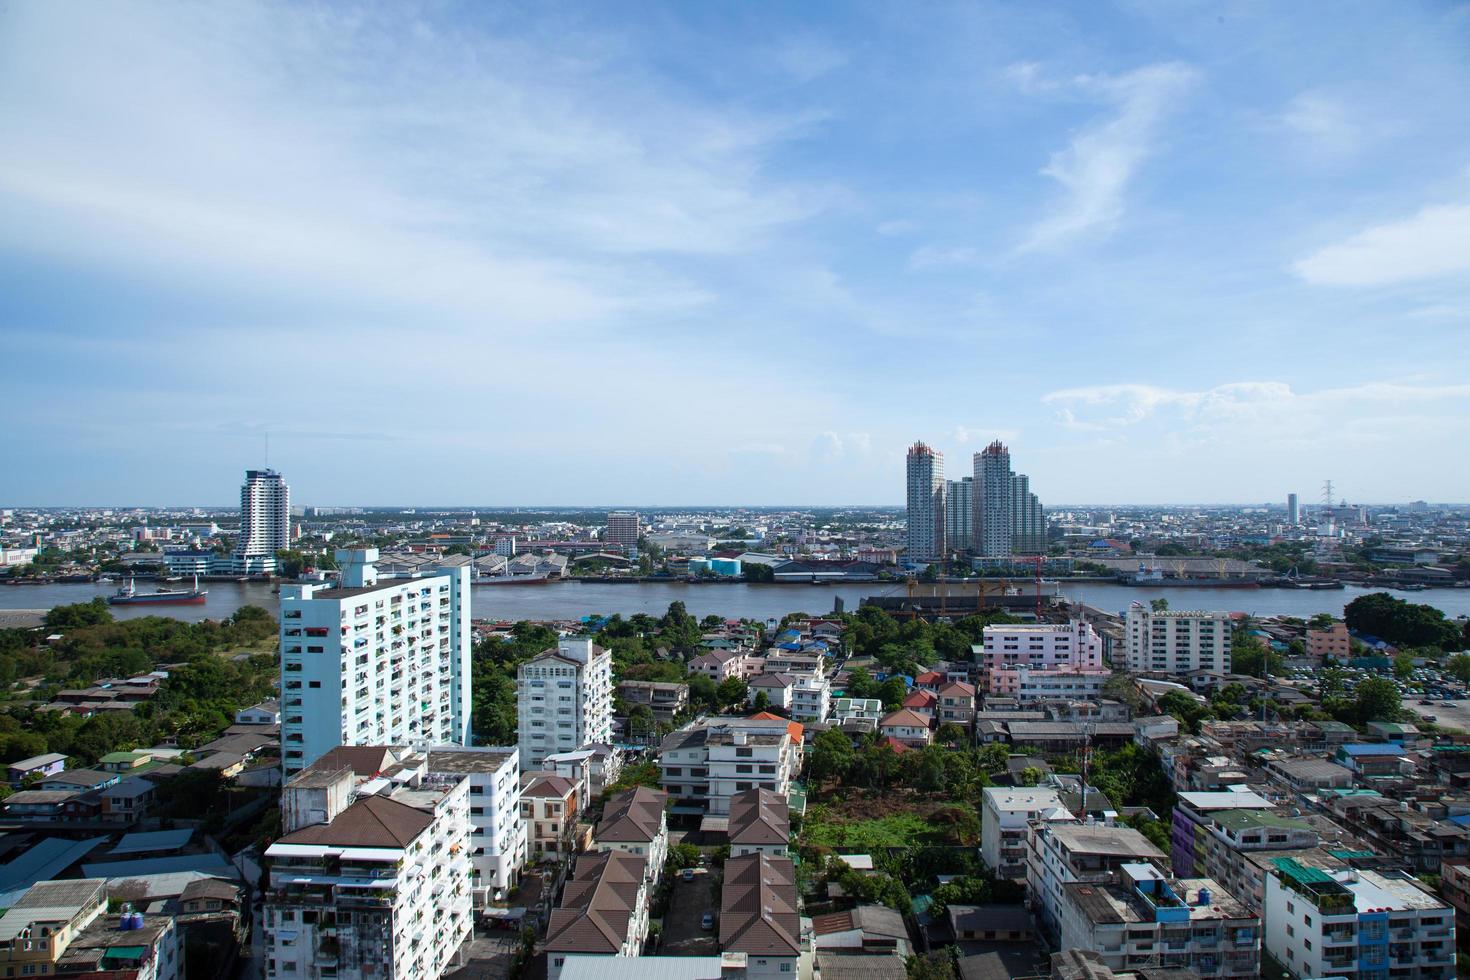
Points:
(1292, 511)
(925, 504)
(959, 513)
(563, 700)
(623, 528)
(993, 495)
(374, 663)
(1028, 524)
(265, 521)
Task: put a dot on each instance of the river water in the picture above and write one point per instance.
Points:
(570, 600)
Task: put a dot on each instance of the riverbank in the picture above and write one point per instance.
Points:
(572, 600)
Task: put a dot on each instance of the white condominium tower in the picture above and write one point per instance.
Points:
(925, 504)
(265, 519)
(374, 663)
(564, 700)
(959, 513)
(1175, 643)
(623, 528)
(993, 497)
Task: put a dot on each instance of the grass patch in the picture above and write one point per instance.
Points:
(823, 828)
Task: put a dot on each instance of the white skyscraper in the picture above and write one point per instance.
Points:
(265, 521)
(959, 513)
(374, 663)
(564, 700)
(993, 498)
(925, 504)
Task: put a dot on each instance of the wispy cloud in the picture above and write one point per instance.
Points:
(1431, 244)
(928, 258)
(1323, 124)
(1101, 160)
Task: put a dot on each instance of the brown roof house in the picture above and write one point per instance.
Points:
(634, 822)
(549, 808)
(908, 727)
(760, 823)
(759, 915)
(603, 911)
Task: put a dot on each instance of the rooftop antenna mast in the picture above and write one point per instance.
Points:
(1327, 494)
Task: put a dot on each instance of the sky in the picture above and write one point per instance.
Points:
(733, 253)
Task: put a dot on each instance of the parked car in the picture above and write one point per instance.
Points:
(707, 922)
(688, 874)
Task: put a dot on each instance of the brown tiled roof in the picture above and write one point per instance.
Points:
(758, 912)
(364, 760)
(904, 718)
(596, 904)
(958, 689)
(759, 816)
(636, 815)
(372, 821)
(546, 784)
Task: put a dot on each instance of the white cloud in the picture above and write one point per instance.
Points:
(930, 257)
(1098, 164)
(1323, 124)
(1431, 244)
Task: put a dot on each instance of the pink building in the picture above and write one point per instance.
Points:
(1332, 642)
(1067, 647)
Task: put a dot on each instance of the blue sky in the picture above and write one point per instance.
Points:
(733, 252)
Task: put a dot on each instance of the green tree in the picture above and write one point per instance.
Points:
(1403, 666)
(832, 756)
(1459, 667)
(732, 691)
(892, 692)
(1377, 699)
(92, 613)
(1159, 605)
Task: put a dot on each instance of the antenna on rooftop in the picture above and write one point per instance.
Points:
(1327, 494)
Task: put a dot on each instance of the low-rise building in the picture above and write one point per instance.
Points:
(633, 821)
(760, 917)
(957, 704)
(1141, 918)
(549, 807)
(129, 945)
(1005, 822)
(666, 699)
(864, 711)
(760, 823)
(40, 766)
(704, 764)
(907, 727)
(1333, 922)
(1059, 853)
(603, 910)
(1331, 642)
(37, 929)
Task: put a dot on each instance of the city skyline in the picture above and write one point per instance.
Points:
(1184, 250)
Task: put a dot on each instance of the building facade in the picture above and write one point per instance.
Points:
(498, 846)
(959, 513)
(265, 521)
(992, 523)
(623, 529)
(1170, 642)
(563, 700)
(374, 663)
(925, 516)
(1006, 816)
(1028, 522)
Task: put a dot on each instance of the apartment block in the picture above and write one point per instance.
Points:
(37, 929)
(549, 808)
(498, 843)
(372, 874)
(1362, 924)
(564, 700)
(374, 662)
(634, 822)
(1006, 816)
(1061, 852)
(1177, 642)
(760, 823)
(760, 917)
(603, 910)
(925, 515)
(1141, 918)
(666, 699)
(704, 764)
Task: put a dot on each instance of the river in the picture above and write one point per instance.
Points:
(570, 600)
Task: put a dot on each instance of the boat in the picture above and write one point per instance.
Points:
(1146, 576)
(128, 595)
(512, 580)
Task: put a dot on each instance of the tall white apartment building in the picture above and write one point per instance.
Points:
(563, 700)
(1172, 642)
(265, 521)
(993, 496)
(374, 662)
(498, 847)
(623, 529)
(1028, 522)
(372, 877)
(925, 504)
(1006, 823)
(959, 513)
(1371, 925)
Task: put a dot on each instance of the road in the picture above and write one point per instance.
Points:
(690, 900)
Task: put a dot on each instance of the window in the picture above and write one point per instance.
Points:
(785, 967)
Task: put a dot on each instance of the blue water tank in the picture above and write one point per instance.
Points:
(1204, 897)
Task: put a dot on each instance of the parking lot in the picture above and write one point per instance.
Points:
(688, 903)
(1450, 714)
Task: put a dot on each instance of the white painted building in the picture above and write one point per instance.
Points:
(1143, 918)
(265, 521)
(1059, 852)
(563, 700)
(1177, 642)
(1365, 924)
(704, 764)
(1006, 816)
(374, 663)
(811, 696)
(378, 884)
(497, 836)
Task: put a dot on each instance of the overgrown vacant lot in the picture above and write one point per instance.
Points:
(868, 820)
